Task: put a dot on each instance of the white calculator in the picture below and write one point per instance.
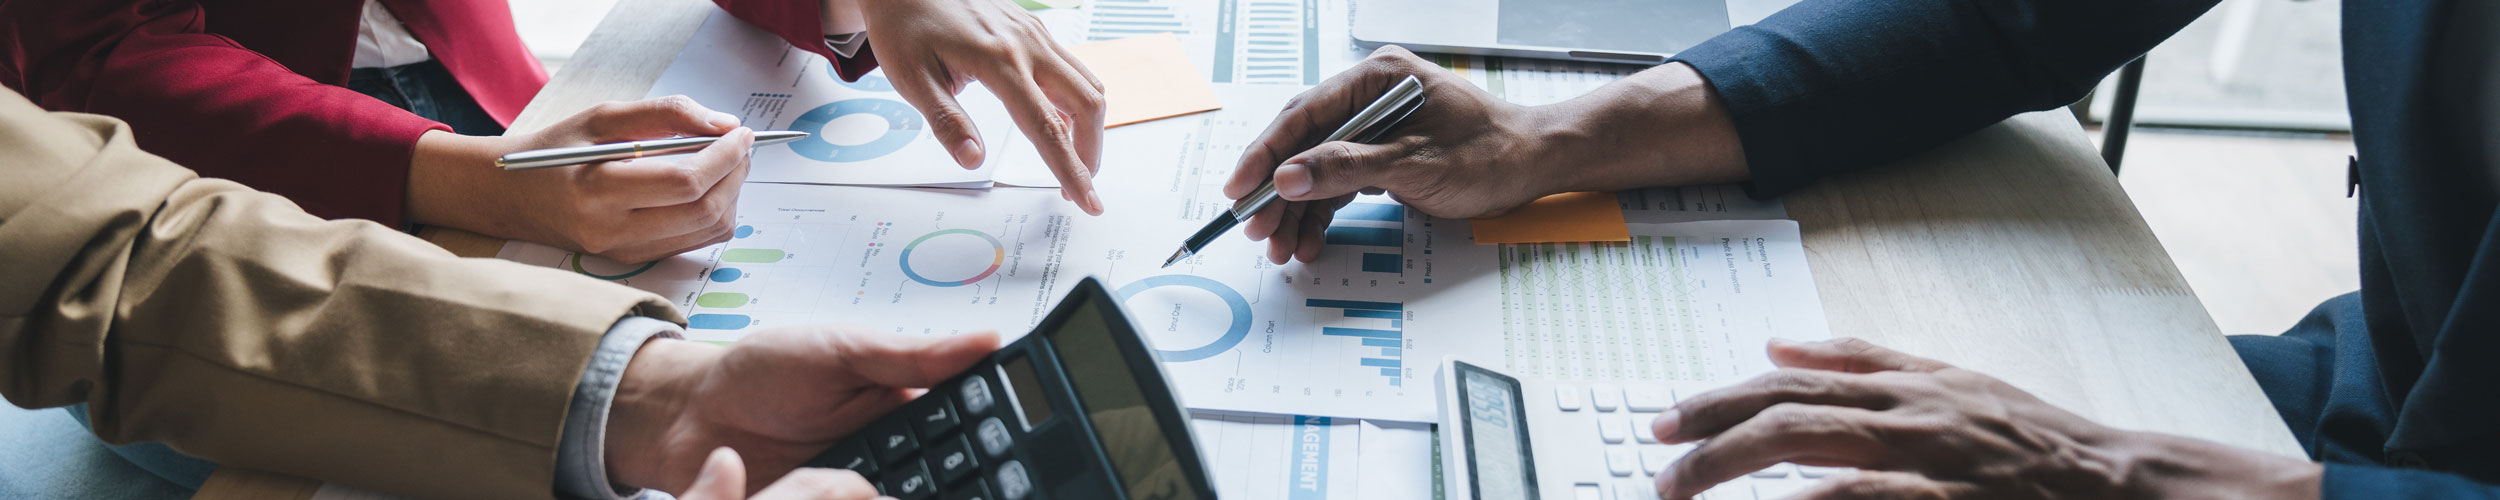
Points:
(1507, 438)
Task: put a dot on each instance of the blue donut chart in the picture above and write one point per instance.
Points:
(902, 124)
(1233, 335)
(998, 256)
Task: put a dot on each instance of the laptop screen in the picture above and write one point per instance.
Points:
(1657, 26)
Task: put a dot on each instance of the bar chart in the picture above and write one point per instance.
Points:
(1379, 225)
(1380, 327)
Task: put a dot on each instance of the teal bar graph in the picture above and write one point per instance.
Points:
(1353, 304)
(1362, 320)
(718, 321)
(1373, 211)
(1368, 313)
(1366, 236)
(1359, 332)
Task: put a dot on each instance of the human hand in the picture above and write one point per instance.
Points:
(1921, 428)
(1467, 154)
(1463, 154)
(724, 478)
(779, 397)
(634, 210)
(930, 49)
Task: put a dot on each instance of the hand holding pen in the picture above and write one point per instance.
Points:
(1463, 154)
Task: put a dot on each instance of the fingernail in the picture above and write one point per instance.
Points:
(1293, 180)
(968, 154)
(1780, 342)
(1666, 425)
(1666, 483)
(1094, 200)
(724, 120)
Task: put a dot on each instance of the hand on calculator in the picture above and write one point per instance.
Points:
(777, 397)
(1920, 428)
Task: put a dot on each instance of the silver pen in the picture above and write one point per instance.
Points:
(1366, 126)
(576, 155)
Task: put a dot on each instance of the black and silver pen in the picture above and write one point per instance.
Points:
(576, 155)
(1366, 126)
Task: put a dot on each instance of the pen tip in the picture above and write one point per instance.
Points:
(1177, 255)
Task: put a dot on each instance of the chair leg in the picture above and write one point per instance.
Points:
(2121, 114)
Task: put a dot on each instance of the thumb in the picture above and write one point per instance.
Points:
(894, 360)
(675, 115)
(1847, 354)
(1336, 169)
(723, 478)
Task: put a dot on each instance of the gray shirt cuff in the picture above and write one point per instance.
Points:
(581, 458)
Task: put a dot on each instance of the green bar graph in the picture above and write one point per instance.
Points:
(721, 299)
(753, 255)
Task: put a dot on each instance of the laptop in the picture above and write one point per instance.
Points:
(1616, 31)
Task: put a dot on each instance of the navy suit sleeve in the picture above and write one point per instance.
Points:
(2364, 481)
(1828, 86)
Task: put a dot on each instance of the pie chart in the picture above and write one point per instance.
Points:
(953, 257)
(902, 125)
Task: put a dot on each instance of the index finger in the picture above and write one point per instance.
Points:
(1052, 136)
(1315, 112)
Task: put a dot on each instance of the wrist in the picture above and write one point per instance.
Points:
(2167, 466)
(647, 442)
(450, 183)
(1661, 127)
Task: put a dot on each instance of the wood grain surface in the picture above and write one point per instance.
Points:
(2012, 252)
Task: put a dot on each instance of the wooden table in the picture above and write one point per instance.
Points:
(2011, 252)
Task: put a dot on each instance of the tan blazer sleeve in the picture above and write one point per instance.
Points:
(233, 326)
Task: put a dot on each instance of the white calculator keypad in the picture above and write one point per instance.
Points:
(1607, 427)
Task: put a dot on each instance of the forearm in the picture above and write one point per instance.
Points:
(453, 182)
(2167, 466)
(231, 325)
(1661, 127)
(1828, 86)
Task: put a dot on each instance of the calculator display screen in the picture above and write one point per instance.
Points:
(1140, 452)
(1497, 440)
(1027, 385)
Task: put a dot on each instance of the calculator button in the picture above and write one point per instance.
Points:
(1634, 489)
(1779, 488)
(1647, 397)
(971, 491)
(1813, 472)
(993, 436)
(953, 460)
(934, 417)
(1586, 491)
(975, 392)
(1613, 428)
(1567, 397)
(1640, 427)
(1775, 471)
(1731, 490)
(1619, 461)
(1013, 483)
(909, 481)
(1655, 459)
(1605, 397)
(891, 440)
(851, 455)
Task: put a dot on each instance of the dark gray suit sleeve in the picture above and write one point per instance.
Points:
(1828, 86)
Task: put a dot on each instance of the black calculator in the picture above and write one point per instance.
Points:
(1079, 409)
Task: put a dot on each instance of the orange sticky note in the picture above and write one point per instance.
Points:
(1567, 217)
(1146, 77)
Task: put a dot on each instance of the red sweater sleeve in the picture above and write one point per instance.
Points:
(801, 22)
(206, 102)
